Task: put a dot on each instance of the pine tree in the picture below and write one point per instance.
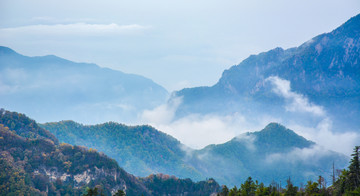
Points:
(248, 188)
(291, 190)
(354, 169)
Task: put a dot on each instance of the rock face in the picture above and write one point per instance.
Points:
(50, 89)
(325, 70)
(82, 179)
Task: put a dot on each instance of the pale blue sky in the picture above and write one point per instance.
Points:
(179, 43)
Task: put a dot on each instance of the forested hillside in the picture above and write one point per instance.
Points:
(24, 126)
(37, 166)
(141, 150)
(274, 153)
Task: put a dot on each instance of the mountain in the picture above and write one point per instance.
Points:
(325, 71)
(274, 153)
(37, 166)
(141, 150)
(50, 88)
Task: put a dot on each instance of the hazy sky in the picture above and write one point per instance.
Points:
(176, 43)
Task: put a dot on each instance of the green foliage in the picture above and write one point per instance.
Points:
(348, 182)
(224, 191)
(354, 169)
(94, 192)
(345, 185)
(248, 188)
(291, 190)
(37, 166)
(27, 163)
(162, 184)
(251, 154)
(141, 150)
(24, 126)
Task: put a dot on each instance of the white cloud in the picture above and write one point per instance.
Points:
(322, 132)
(248, 140)
(78, 29)
(310, 155)
(198, 131)
(193, 130)
(12, 79)
(162, 114)
(323, 135)
(297, 102)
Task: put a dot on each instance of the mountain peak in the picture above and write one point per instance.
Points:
(279, 137)
(275, 127)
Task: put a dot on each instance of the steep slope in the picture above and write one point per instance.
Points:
(39, 167)
(141, 150)
(326, 70)
(272, 154)
(50, 88)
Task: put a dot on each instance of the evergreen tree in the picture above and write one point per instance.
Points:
(224, 191)
(354, 169)
(248, 188)
(291, 190)
(233, 191)
(311, 188)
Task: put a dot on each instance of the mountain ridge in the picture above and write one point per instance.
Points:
(325, 70)
(228, 163)
(63, 89)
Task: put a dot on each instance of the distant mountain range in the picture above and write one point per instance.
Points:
(272, 154)
(50, 88)
(323, 73)
(34, 164)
